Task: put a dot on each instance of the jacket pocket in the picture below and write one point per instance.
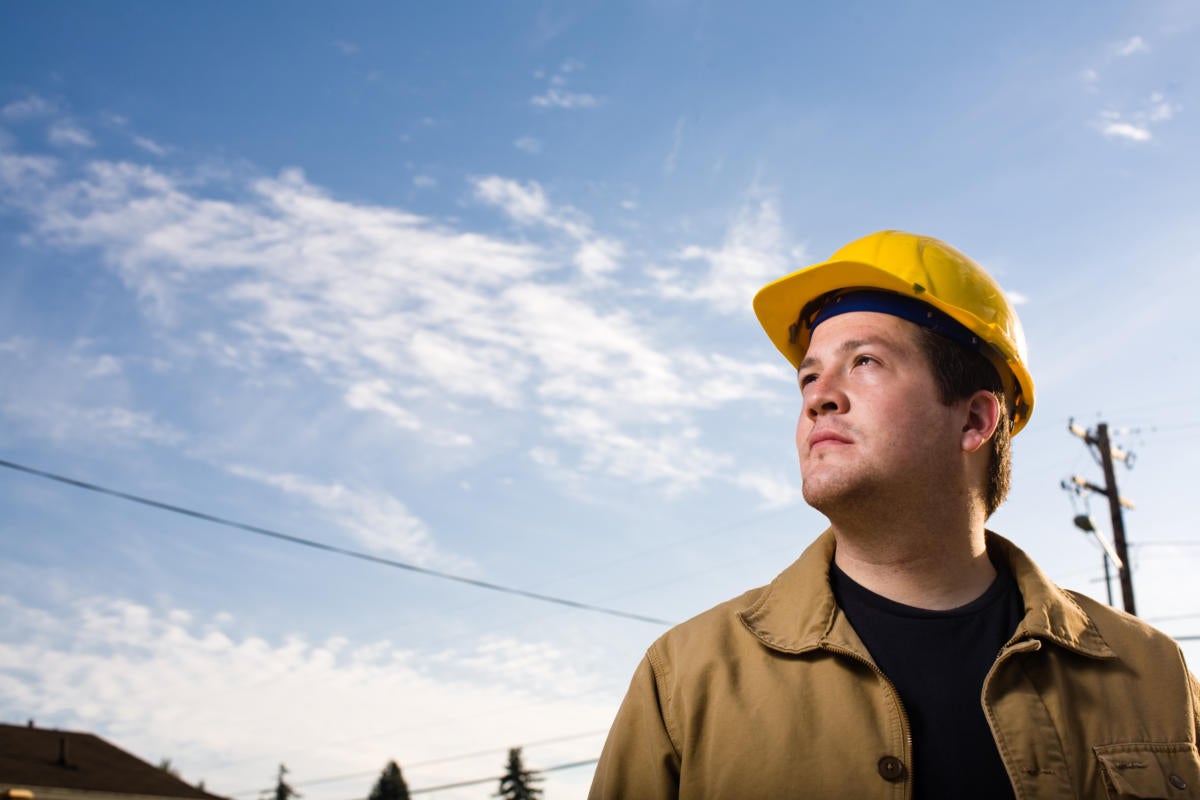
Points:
(1150, 770)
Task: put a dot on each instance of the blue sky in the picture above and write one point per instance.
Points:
(468, 286)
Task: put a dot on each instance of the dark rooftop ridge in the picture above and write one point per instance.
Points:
(31, 757)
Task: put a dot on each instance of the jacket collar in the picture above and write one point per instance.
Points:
(796, 612)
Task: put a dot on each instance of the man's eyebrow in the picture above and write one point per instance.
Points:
(849, 346)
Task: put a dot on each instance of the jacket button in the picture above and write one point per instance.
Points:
(1177, 782)
(890, 768)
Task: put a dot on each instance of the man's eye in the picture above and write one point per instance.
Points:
(805, 380)
(860, 360)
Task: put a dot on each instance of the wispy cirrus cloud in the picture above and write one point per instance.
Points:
(65, 133)
(557, 93)
(528, 144)
(29, 107)
(107, 425)
(756, 249)
(150, 146)
(75, 395)
(381, 523)
(1131, 46)
(417, 322)
(526, 204)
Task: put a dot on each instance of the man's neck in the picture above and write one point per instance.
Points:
(937, 565)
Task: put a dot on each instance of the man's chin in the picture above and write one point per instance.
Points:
(827, 493)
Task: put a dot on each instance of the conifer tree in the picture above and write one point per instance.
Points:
(283, 791)
(391, 785)
(518, 782)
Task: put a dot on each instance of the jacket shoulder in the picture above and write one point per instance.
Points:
(701, 636)
(1128, 636)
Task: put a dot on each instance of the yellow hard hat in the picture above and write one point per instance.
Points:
(918, 267)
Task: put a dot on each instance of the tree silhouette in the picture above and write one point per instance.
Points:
(391, 785)
(518, 782)
(282, 790)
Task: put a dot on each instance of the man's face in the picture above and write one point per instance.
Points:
(872, 425)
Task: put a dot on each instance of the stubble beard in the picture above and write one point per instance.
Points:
(837, 480)
(833, 490)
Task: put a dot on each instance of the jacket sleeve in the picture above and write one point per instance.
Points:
(1195, 692)
(639, 760)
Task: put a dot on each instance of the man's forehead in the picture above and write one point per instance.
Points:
(856, 329)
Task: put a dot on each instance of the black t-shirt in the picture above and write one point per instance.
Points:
(937, 661)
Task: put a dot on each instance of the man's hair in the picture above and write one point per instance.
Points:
(959, 372)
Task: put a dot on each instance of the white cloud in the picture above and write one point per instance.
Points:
(424, 181)
(1135, 44)
(674, 459)
(347, 48)
(528, 144)
(150, 146)
(557, 95)
(484, 371)
(379, 522)
(374, 396)
(1117, 130)
(17, 345)
(776, 491)
(527, 204)
(65, 133)
(28, 107)
(598, 257)
(1159, 110)
(755, 250)
(110, 425)
(544, 456)
(95, 653)
(420, 323)
(1137, 126)
(104, 366)
(1126, 130)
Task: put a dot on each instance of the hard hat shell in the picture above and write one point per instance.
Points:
(921, 267)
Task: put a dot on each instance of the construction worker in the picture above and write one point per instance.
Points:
(908, 652)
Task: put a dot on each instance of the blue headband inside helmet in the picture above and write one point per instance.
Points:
(897, 305)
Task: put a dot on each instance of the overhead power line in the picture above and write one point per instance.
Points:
(328, 548)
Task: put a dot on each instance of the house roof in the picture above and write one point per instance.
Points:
(31, 757)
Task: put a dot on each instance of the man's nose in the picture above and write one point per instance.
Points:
(823, 396)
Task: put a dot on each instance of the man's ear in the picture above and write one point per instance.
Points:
(983, 414)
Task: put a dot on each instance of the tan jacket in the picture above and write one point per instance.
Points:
(773, 695)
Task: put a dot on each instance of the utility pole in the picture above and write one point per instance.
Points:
(1101, 442)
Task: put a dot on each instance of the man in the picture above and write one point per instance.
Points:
(907, 652)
